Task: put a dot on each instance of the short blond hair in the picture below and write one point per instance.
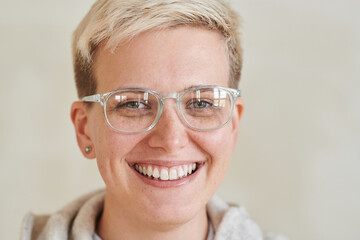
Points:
(117, 21)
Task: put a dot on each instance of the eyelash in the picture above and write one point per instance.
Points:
(126, 105)
(192, 103)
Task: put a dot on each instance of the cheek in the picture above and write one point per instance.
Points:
(111, 151)
(217, 144)
(111, 147)
(114, 146)
(109, 144)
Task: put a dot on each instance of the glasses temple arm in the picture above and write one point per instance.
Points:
(92, 98)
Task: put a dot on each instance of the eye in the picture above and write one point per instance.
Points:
(131, 105)
(200, 104)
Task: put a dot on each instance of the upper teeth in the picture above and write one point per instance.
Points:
(164, 173)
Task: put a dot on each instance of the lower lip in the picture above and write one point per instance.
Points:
(169, 183)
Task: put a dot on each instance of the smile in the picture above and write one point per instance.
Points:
(165, 173)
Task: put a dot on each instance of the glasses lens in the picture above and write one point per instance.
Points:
(207, 108)
(131, 111)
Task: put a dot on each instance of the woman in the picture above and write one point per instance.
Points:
(160, 112)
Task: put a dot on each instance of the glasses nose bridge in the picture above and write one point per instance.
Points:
(171, 95)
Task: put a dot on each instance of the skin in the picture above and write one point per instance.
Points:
(166, 61)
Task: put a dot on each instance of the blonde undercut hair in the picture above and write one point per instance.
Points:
(117, 21)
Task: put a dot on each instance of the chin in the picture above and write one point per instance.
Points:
(173, 212)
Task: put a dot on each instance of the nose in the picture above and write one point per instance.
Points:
(169, 134)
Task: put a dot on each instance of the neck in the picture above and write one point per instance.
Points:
(117, 222)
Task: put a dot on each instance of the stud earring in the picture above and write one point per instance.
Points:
(88, 149)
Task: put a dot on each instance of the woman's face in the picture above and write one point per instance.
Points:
(165, 61)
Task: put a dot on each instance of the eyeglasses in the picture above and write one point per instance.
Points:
(135, 110)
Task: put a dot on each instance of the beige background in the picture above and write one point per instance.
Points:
(296, 168)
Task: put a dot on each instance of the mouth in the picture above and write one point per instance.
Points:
(162, 173)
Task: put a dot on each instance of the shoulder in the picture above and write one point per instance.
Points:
(32, 225)
(77, 217)
(233, 222)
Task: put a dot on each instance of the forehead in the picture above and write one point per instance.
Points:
(164, 60)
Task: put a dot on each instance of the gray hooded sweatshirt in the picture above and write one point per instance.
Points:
(77, 221)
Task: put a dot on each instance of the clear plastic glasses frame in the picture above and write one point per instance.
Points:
(232, 94)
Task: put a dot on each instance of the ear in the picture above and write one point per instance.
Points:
(238, 111)
(79, 116)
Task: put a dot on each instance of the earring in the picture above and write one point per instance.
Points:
(88, 149)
